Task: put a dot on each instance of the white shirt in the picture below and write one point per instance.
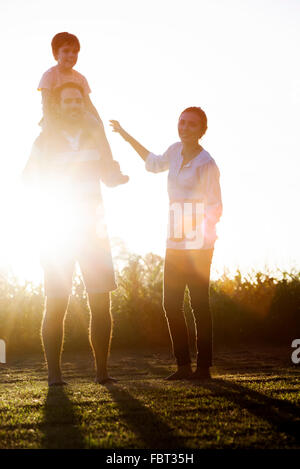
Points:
(73, 140)
(195, 197)
(68, 180)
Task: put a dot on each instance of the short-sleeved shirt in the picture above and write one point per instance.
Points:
(54, 78)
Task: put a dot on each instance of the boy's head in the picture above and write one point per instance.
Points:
(65, 48)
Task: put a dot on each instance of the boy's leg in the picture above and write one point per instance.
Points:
(52, 336)
(100, 333)
(111, 173)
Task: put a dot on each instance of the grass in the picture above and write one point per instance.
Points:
(252, 402)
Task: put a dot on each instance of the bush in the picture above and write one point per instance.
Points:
(256, 308)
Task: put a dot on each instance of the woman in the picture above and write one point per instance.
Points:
(195, 208)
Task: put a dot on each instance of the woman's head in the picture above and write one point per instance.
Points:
(192, 124)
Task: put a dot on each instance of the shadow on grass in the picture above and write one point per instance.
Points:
(155, 369)
(146, 425)
(282, 415)
(159, 371)
(59, 425)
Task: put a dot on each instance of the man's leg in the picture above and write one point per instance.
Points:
(52, 336)
(100, 333)
(174, 288)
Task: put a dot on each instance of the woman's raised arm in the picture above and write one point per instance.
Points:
(138, 147)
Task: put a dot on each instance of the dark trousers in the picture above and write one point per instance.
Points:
(188, 268)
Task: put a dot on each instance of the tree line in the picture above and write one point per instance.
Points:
(257, 308)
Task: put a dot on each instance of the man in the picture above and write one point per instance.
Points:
(66, 166)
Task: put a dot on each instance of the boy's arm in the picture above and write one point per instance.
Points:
(46, 103)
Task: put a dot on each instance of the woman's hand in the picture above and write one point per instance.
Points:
(116, 127)
(138, 147)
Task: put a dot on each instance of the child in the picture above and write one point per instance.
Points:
(65, 48)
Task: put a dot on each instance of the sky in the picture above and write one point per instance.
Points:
(145, 62)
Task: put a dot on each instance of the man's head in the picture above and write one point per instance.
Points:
(70, 105)
(65, 48)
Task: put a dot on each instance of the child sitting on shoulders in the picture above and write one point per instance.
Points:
(65, 48)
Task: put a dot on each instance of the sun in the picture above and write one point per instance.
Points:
(35, 224)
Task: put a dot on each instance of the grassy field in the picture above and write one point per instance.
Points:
(252, 402)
